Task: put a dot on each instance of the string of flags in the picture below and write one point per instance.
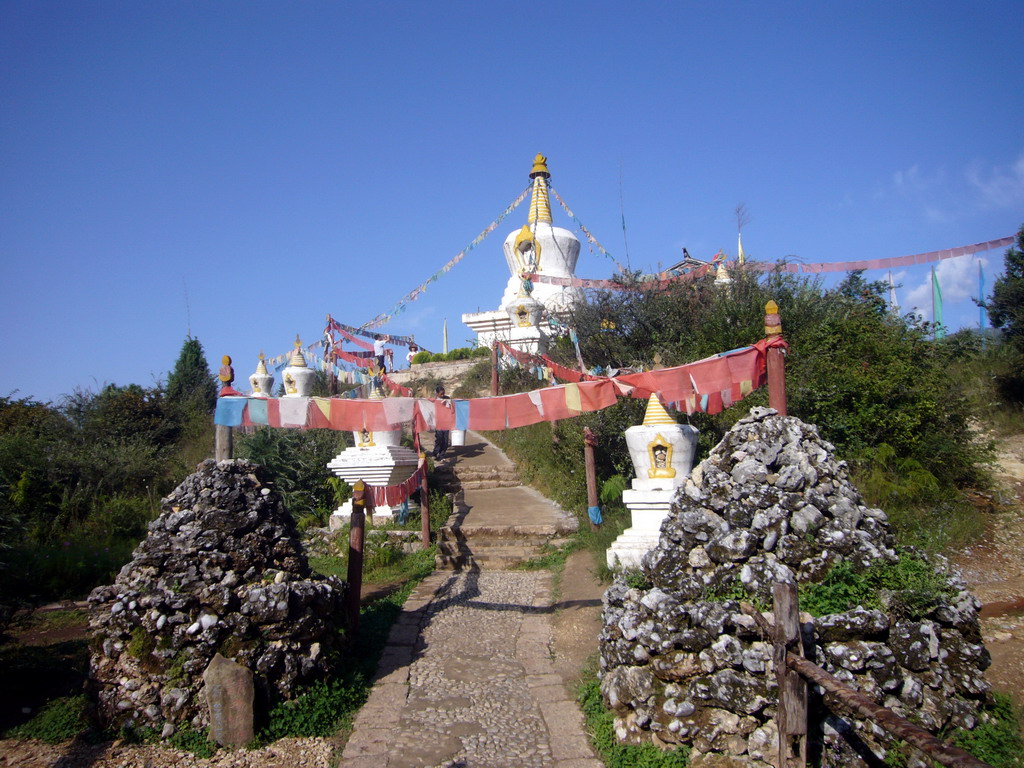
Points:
(415, 293)
(666, 279)
(586, 232)
(707, 386)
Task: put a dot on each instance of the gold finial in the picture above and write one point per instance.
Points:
(656, 413)
(261, 366)
(540, 206)
(540, 167)
(297, 360)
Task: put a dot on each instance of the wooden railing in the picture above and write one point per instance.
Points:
(790, 670)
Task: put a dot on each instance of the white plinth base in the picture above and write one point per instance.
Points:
(648, 508)
(381, 514)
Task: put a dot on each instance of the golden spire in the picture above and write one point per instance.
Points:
(261, 367)
(540, 206)
(297, 360)
(656, 413)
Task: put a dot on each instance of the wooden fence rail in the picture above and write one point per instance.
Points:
(790, 696)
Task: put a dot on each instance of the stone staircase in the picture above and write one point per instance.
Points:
(497, 522)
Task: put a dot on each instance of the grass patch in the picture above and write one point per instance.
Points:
(910, 587)
(40, 675)
(59, 720)
(600, 727)
(997, 738)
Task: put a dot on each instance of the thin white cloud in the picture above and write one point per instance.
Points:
(998, 187)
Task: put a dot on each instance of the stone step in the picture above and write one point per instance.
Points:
(482, 485)
(536, 535)
(451, 556)
(472, 473)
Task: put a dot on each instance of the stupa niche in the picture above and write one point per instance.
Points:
(536, 247)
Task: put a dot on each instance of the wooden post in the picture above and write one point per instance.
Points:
(223, 442)
(361, 500)
(494, 369)
(792, 715)
(424, 504)
(859, 704)
(776, 360)
(589, 441)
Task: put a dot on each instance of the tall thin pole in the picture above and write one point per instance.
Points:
(776, 360)
(494, 369)
(424, 503)
(361, 499)
(594, 510)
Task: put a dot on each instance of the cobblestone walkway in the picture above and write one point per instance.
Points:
(467, 681)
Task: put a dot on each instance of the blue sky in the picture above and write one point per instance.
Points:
(240, 169)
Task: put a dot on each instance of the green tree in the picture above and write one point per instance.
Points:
(1006, 307)
(191, 388)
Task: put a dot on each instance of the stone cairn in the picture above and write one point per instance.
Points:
(221, 571)
(680, 663)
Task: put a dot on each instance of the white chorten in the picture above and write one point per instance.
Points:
(537, 247)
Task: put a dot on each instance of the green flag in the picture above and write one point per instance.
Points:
(940, 331)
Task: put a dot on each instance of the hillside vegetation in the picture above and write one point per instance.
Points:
(912, 414)
(80, 479)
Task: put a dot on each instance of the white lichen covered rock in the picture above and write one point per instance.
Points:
(221, 570)
(681, 664)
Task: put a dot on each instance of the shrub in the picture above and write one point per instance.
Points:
(910, 587)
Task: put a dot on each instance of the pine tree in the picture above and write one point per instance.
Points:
(191, 388)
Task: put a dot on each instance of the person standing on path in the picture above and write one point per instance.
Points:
(442, 437)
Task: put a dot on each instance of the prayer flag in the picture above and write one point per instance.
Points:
(229, 411)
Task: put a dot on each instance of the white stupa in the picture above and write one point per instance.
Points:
(662, 453)
(538, 247)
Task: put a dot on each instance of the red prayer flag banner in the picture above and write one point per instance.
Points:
(597, 395)
(521, 411)
(273, 412)
(487, 413)
(444, 414)
(553, 400)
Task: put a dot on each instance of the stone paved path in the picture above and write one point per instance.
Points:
(467, 680)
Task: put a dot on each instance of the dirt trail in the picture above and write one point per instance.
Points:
(994, 569)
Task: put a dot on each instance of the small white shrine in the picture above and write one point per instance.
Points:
(297, 377)
(537, 247)
(261, 381)
(662, 453)
(378, 459)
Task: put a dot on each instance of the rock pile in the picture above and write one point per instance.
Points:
(682, 665)
(222, 570)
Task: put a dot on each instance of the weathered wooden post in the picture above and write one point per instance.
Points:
(361, 500)
(594, 509)
(776, 359)
(223, 437)
(223, 442)
(424, 503)
(792, 715)
(494, 369)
